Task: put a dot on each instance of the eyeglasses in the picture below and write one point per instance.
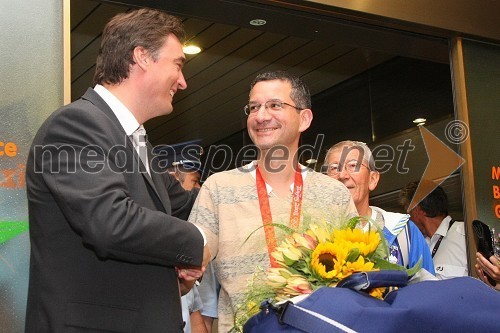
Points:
(334, 169)
(274, 105)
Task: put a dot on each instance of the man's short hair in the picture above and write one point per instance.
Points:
(144, 27)
(363, 149)
(180, 172)
(434, 204)
(300, 93)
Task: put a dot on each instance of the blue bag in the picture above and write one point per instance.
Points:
(456, 305)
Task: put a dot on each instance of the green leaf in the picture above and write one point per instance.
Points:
(353, 222)
(288, 261)
(385, 265)
(278, 225)
(293, 271)
(285, 274)
(353, 255)
(382, 250)
(413, 270)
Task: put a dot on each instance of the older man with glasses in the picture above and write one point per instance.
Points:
(352, 163)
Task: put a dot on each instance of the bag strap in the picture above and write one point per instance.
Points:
(374, 279)
(310, 321)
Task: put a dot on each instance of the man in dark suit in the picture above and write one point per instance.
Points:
(108, 249)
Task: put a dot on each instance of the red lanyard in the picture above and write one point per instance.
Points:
(265, 209)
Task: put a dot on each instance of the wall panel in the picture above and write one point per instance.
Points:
(31, 87)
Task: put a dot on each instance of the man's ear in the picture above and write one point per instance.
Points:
(141, 57)
(417, 211)
(374, 178)
(306, 118)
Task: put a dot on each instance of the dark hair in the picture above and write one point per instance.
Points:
(300, 93)
(144, 27)
(434, 204)
(180, 172)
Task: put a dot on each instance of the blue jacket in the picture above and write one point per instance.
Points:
(396, 223)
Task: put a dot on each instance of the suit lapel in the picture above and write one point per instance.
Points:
(156, 181)
(95, 99)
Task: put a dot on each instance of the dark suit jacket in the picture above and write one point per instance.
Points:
(104, 239)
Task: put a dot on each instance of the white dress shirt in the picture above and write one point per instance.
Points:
(450, 259)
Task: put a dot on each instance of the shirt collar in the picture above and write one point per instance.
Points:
(251, 167)
(125, 117)
(443, 227)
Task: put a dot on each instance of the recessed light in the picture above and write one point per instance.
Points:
(191, 49)
(419, 121)
(257, 22)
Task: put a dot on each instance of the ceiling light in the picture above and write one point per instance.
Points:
(191, 49)
(419, 121)
(257, 22)
(311, 161)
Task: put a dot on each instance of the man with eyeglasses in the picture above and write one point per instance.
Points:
(352, 163)
(275, 188)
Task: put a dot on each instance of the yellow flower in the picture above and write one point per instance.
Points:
(286, 254)
(287, 284)
(321, 234)
(377, 292)
(277, 277)
(304, 240)
(359, 265)
(366, 242)
(278, 256)
(327, 260)
(291, 255)
(297, 285)
(320, 256)
(252, 305)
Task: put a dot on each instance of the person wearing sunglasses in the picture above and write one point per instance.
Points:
(352, 163)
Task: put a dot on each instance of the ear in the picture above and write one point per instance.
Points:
(306, 117)
(417, 211)
(141, 57)
(374, 178)
(421, 211)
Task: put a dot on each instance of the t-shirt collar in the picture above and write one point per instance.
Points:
(251, 167)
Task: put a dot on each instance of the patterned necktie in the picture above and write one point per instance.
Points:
(139, 137)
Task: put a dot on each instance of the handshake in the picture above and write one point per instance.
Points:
(191, 275)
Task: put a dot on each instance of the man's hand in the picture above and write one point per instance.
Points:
(189, 275)
(488, 268)
(185, 286)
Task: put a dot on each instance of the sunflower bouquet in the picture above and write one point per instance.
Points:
(316, 257)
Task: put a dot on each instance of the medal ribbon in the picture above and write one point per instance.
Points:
(265, 209)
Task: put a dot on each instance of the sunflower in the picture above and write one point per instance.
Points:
(365, 242)
(359, 265)
(327, 260)
(378, 292)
